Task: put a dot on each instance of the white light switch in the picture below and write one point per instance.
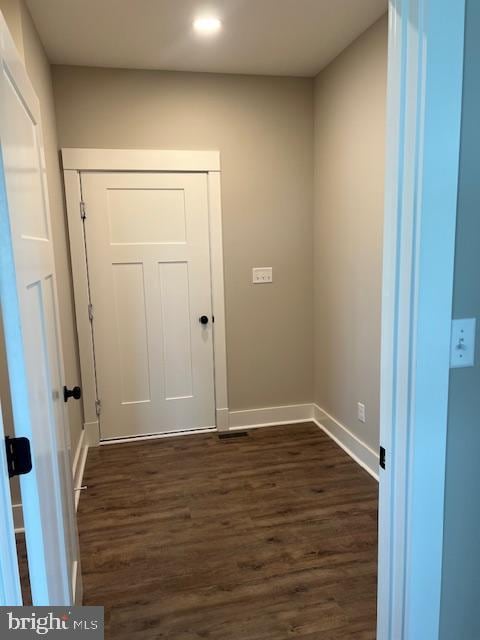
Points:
(262, 275)
(463, 343)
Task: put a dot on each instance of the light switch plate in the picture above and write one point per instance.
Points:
(463, 343)
(262, 275)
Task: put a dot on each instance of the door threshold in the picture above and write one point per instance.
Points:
(156, 436)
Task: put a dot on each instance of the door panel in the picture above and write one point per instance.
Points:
(32, 333)
(176, 315)
(146, 216)
(147, 239)
(20, 144)
(130, 312)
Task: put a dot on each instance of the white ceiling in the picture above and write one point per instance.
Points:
(277, 37)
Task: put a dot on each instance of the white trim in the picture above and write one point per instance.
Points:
(78, 478)
(80, 285)
(348, 441)
(223, 416)
(270, 416)
(76, 457)
(76, 160)
(139, 160)
(425, 75)
(218, 296)
(386, 609)
(92, 433)
(158, 436)
(76, 585)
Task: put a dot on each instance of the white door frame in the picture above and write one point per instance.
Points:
(425, 82)
(83, 160)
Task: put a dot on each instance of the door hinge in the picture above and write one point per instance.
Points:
(83, 213)
(19, 456)
(98, 407)
(90, 312)
(383, 455)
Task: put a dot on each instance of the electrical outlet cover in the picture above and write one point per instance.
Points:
(361, 412)
(262, 275)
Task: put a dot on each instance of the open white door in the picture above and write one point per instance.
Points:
(29, 306)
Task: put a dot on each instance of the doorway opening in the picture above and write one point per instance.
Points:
(146, 241)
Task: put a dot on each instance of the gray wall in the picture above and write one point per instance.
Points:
(461, 558)
(263, 128)
(350, 105)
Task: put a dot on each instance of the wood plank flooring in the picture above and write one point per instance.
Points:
(265, 537)
(23, 569)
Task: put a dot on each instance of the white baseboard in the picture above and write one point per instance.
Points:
(157, 436)
(79, 467)
(356, 449)
(270, 416)
(75, 582)
(92, 433)
(77, 455)
(222, 419)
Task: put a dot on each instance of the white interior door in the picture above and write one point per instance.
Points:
(32, 333)
(147, 240)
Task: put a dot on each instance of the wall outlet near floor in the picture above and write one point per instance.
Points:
(262, 275)
(361, 412)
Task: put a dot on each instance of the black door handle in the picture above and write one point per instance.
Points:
(203, 319)
(76, 393)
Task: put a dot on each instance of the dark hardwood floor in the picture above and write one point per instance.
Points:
(265, 537)
(23, 569)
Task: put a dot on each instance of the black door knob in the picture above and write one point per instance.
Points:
(75, 393)
(203, 319)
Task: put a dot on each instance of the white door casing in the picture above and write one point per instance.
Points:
(147, 243)
(32, 334)
(78, 162)
(425, 83)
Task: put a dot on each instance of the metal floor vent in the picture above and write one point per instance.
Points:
(232, 434)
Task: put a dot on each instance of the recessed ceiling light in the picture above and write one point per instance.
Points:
(207, 25)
